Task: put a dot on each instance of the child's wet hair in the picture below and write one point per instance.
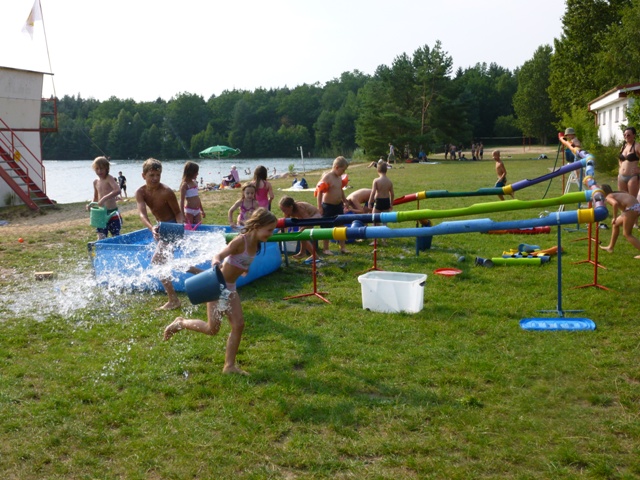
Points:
(340, 162)
(260, 173)
(101, 162)
(151, 164)
(190, 169)
(245, 186)
(606, 189)
(287, 201)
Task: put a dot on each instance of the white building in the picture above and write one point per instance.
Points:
(610, 110)
(22, 174)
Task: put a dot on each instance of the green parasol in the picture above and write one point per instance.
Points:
(219, 151)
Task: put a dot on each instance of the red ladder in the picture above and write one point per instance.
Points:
(16, 173)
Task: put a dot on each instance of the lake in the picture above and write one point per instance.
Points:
(71, 181)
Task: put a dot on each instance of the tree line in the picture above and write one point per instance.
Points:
(417, 100)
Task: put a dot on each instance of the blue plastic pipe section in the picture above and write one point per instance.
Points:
(358, 231)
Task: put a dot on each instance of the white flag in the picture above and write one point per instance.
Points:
(35, 15)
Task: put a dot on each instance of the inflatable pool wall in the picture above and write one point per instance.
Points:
(129, 256)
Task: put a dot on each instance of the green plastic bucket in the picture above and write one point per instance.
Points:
(98, 216)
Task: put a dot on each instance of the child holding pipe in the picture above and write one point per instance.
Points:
(301, 210)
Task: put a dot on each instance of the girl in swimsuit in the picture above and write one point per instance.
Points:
(234, 260)
(264, 191)
(247, 205)
(629, 173)
(189, 199)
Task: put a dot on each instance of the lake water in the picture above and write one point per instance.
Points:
(70, 181)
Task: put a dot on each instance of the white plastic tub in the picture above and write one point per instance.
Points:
(393, 291)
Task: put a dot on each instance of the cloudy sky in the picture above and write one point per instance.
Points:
(145, 49)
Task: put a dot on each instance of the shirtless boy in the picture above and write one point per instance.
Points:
(381, 198)
(630, 207)
(330, 196)
(163, 204)
(501, 172)
(358, 201)
(105, 192)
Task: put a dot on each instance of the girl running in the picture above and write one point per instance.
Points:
(235, 260)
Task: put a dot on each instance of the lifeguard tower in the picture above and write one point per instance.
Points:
(24, 116)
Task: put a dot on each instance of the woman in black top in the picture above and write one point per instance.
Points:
(629, 172)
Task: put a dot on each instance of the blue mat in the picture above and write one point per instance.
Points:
(555, 324)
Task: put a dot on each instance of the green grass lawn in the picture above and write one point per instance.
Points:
(88, 389)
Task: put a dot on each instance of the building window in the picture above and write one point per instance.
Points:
(604, 118)
(625, 107)
(617, 114)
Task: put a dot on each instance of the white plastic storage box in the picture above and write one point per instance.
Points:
(393, 291)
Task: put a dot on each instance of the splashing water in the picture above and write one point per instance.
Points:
(75, 290)
(133, 269)
(63, 295)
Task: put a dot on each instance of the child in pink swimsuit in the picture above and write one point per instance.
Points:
(264, 191)
(247, 205)
(235, 260)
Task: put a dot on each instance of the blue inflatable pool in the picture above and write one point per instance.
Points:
(125, 261)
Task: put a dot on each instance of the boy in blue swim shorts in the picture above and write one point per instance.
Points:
(105, 192)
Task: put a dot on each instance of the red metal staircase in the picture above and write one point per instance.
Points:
(15, 171)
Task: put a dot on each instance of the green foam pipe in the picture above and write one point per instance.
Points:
(516, 261)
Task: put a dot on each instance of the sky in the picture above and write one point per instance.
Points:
(144, 50)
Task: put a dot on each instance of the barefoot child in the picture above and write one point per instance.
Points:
(190, 203)
(501, 172)
(381, 197)
(330, 196)
(105, 191)
(247, 204)
(627, 219)
(292, 209)
(163, 204)
(235, 259)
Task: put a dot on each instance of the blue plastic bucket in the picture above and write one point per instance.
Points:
(424, 243)
(205, 286)
(170, 232)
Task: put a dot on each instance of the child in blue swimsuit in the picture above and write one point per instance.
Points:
(235, 260)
